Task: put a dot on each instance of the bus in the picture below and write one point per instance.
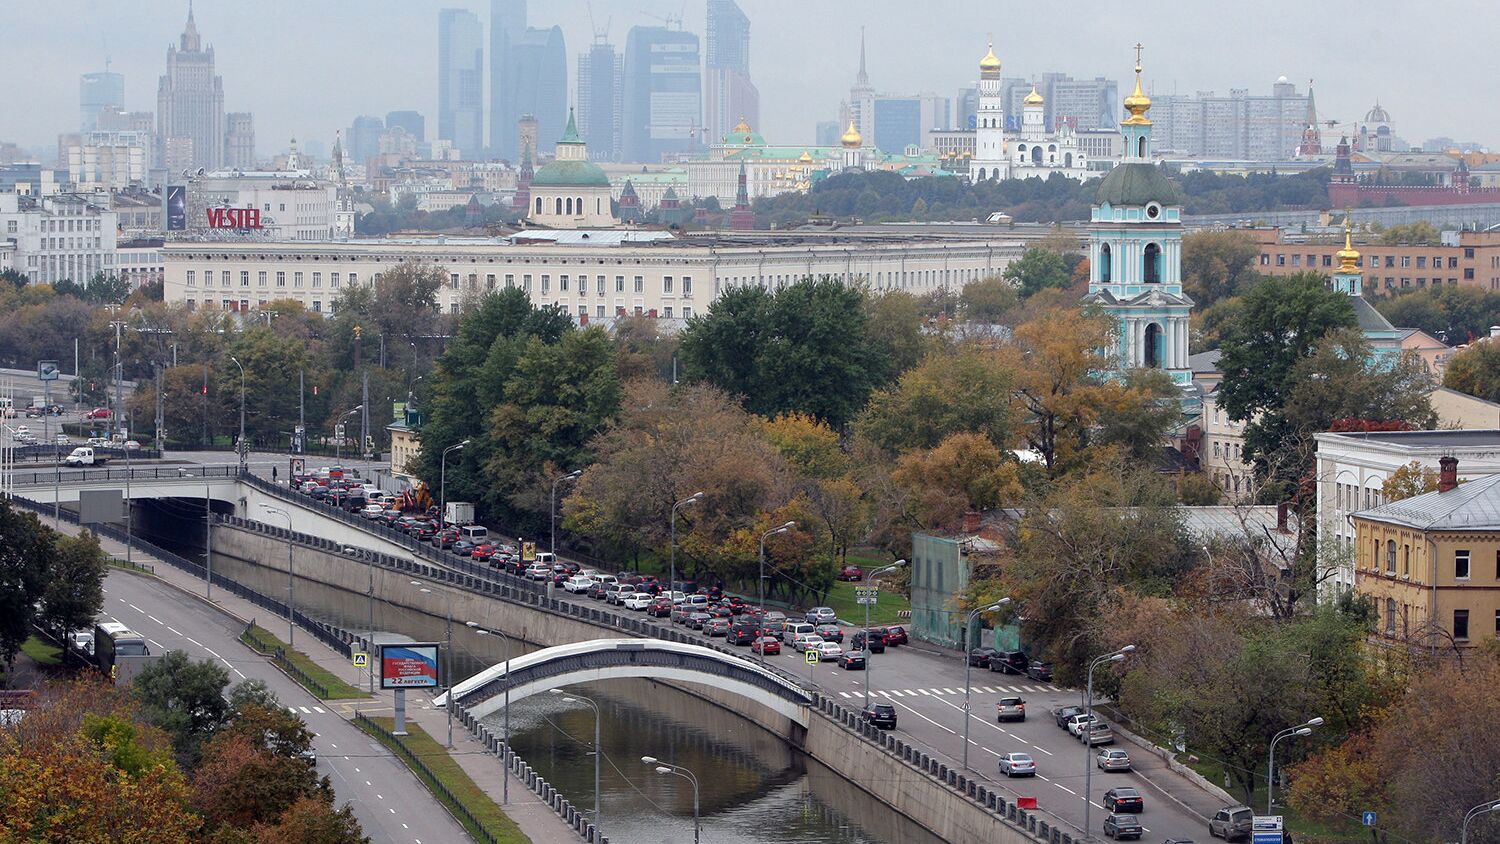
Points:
(111, 639)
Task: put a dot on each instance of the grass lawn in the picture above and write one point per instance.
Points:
(841, 598)
(42, 653)
(452, 778)
(332, 687)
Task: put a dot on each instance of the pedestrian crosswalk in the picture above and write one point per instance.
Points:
(305, 711)
(990, 690)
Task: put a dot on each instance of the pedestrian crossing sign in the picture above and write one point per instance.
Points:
(813, 657)
(361, 659)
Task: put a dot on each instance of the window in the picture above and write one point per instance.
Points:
(317, 279)
(1460, 624)
(192, 278)
(1406, 559)
(1421, 262)
(526, 282)
(1216, 448)
(296, 279)
(666, 284)
(1296, 260)
(244, 278)
(317, 306)
(333, 279)
(1461, 565)
(1280, 260)
(260, 279)
(599, 311)
(453, 280)
(546, 282)
(1390, 616)
(281, 279)
(687, 285)
(562, 283)
(510, 280)
(1405, 261)
(687, 313)
(667, 312)
(640, 284)
(353, 280)
(1153, 264)
(619, 284)
(489, 281)
(1390, 556)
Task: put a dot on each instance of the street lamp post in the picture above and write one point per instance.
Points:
(338, 436)
(291, 629)
(1299, 730)
(598, 751)
(760, 583)
(571, 476)
(240, 446)
(448, 672)
(866, 580)
(443, 484)
(505, 758)
(672, 549)
(1088, 748)
(667, 768)
(968, 669)
(1482, 809)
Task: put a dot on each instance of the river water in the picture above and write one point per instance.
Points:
(754, 788)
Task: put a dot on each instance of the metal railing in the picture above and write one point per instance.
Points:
(277, 654)
(48, 477)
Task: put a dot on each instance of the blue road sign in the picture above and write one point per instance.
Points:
(1369, 818)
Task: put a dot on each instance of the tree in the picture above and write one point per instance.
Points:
(1038, 269)
(988, 299)
(1218, 265)
(75, 585)
(185, 698)
(238, 783)
(811, 447)
(947, 393)
(312, 820)
(1407, 481)
(106, 289)
(1476, 371)
(963, 472)
(27, 555)
(895, 328)
(1420, 233)
(1055, 360)
(1453, 315)
(724, 345)
(1139, 417)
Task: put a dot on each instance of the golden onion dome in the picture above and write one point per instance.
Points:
(1033, 98)
(1138, 103)
(991, 62)
(805, 157)
(851, 137)
(1348, 256)
(740, 128)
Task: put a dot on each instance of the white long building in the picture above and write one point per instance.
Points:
(595, 275)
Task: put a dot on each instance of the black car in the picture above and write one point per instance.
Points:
(1124, 800)
(980, 657)
(1009, 662)
(1039, 671)
(877, 641)
(741, 634)
(882, 715)
(462, 547)
(1121, 827)
(852, 660)
(696, 620)
(1065, 713)
(596, 592)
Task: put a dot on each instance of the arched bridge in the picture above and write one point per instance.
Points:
(609, 659)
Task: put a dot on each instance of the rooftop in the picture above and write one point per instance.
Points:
(1424, 439)
(1473, 505)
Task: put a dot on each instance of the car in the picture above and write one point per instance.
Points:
(1231, 822)
(1038, 670)
(485, 553)
(638, 601)
(463, 548)
(766, 645)
(1124, 800)
(1113, 759)
(659, 608)
(1010, 709)
(680, 613)
(1009, 662)
(82, 641)
(1018, 765)
(821, 615)
(132, 445)
(831, 633)
(371, 511)
(1121, 827)
(596, 591)
(97, 413)
(828, 650)
(895, 635)
(876, 644)
(852, 660)
(851, 573)
(1097, 733)
(1075, 724)
(775, 615)
(882, 715)
(577, 583)
(537, 571)
(980, 657)
(716, 627)
(446, 538)
(423, 531)
(1063, 714)
(742, 634)
(61, 439)
(804, 642)
(696, 620)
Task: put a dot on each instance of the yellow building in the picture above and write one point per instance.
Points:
(404, 449)
(1430, 564)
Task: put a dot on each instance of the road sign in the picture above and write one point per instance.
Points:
(361, 659)
(813, 657)
(866, 595)
(46, 370)
(1266, 829)
(1369, 818)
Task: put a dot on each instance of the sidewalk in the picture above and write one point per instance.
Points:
(535, 818)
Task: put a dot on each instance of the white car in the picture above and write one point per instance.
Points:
(537, 571)
(1017, 765)
(1075, 724)
(639, 600)
(578, 583)
(828, 650)
(806, 641)
(370, 511)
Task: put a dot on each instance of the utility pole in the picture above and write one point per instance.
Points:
(161, 439)
(364, 415)
(205, 440)
(301, 412)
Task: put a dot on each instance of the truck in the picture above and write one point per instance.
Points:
(458, 513)
(84, 456)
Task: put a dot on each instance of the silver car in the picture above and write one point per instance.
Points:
(822, 615)
(1112, 760)
(1018, 765)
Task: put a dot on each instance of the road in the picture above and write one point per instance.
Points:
(389, 802)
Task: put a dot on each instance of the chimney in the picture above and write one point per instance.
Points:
(1447, 473)
(1281, 518)
(971, 522)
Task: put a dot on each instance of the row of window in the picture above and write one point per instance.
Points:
(1372, 261)
(1404, 611)
(1463, 560)
(669, 285)
(1347, 497)
(1230, 451)
(262, 278)
(57, 225)
(243, 305)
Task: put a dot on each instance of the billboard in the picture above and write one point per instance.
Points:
(233, 218)
(409, 666)
(176, 208)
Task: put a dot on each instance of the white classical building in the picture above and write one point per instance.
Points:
(1038, 153)
(571, 192)
(990, 161)
(60, 237)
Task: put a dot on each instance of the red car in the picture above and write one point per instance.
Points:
(98, 413)
(895, 636)
(482, 553)
(766, 645)
(852, 573)
(659, 608)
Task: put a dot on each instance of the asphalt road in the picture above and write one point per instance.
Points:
(389, 802)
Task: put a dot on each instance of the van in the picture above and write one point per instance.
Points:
(792, 629)
(476, 534)
(545, 558)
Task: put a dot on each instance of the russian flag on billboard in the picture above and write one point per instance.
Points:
(409, 666)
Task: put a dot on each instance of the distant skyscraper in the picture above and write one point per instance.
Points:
(663, 106)
(412, 121)
(507, 26)
(461, 81)
(97, 92)
(729, 95)
(539, 76)
(190, 105)
(860, 108)
(239, 140)
(600, 81)
(526, 135)
(1080, 103)
(364, 138)
(1256, 127)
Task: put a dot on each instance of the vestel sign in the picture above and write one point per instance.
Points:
(233, 218)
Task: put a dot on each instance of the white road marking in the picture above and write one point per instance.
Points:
(845, 695)
(896, 693)
(380, 796)
(948, 692)
(924, 691)
(1065, 788)
(241, 673)
(320, 710)
(908, 692)
(194, 641)
(175, 632)
(156, 643)
(153, 618)
(136, 608)
(305, 710)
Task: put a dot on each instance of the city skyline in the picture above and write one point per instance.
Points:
(1425, 101)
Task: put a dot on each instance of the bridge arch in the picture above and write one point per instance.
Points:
(611, 659)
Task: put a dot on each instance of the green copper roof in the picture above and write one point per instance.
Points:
(1137, 183)
(570, 173)
(570, 134)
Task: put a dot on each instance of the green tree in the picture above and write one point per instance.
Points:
(271, 365)
(1142, 415)
(895, 328)
(27, 555)
(1420, 233)
(75, 585)
(1407, 481)
(1218, 265)
(1476, 371)
(184, 698)
(1038, 269)
(106, 289)
(988, 299)
(1453, 315)
(948, 393)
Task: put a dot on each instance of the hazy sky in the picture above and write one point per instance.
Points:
(307, 67)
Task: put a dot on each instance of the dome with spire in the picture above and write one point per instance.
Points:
(1138, 103)
(743, 135)
(989, 66)
(1348, 256)
(571, 167)
(1033, 98)
(1377, 114)
(851, 139)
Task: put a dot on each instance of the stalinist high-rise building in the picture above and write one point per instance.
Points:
(190, 106)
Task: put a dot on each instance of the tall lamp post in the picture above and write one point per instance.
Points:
(240, 446)
(869, 600)
(443, 484)
(598, 750)
(448, 672)
(509, 648)
(672, 550)
(760, 582)
(338, 434)
(666, 768)
(1302, 729)
(291, 629)
(1088, 749)
(571, 476)
(1482, 809)
(969, 669)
